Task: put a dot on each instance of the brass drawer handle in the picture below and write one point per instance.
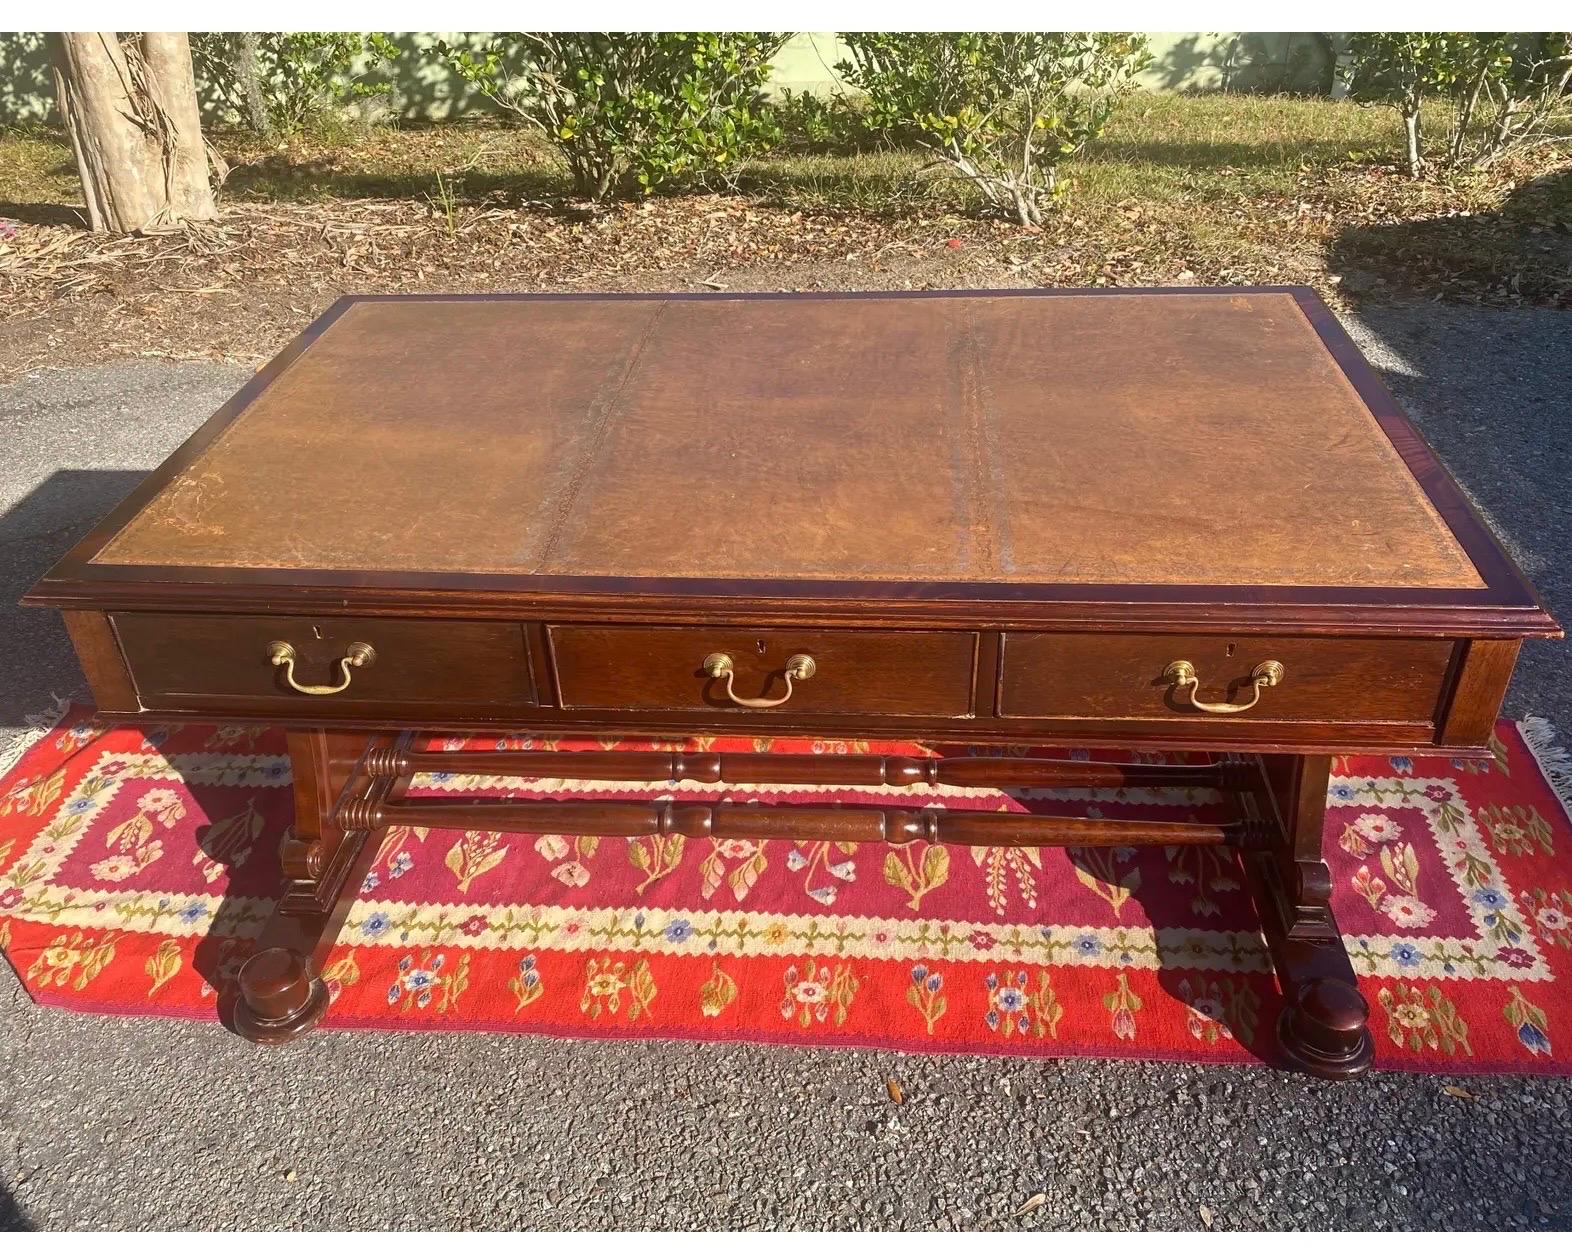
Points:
(720, 666)
(1181, 673)
(358, 656)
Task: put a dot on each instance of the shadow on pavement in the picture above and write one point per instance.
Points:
(38, 660)
(11, 1216)
(1486, 385)
(1487, 389)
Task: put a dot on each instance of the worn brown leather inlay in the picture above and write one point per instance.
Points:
(1176, 438)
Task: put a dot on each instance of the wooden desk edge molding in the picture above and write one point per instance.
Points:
(1151, 518)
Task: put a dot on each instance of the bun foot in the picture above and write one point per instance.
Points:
(1323, 1030)
(279, 997)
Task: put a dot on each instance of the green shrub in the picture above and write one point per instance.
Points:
(287, 82)
(1001, 110)
(1507, 91)
(825, 124)
(632, 113)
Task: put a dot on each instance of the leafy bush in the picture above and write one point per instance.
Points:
(632, 113)
(1002, 110)
(825, 124)
(1507, 91)
(287, 82)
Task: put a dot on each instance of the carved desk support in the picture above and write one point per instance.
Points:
(1323, 1027)
(281, 993)
(349, 788)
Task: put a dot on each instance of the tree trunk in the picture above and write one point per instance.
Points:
(1466, 116)
(1340, 65)
(130, 107)
(248, 69)
(1416, 160)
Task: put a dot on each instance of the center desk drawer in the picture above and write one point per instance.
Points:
(855, 671)
(1122, 676)
(217, 661)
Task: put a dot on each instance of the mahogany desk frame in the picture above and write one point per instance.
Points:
(351, 771)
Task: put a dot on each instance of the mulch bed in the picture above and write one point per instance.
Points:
(239, 288)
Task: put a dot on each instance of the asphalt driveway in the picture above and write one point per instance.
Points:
(125, 1123)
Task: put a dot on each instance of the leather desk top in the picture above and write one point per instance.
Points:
(1022, 445)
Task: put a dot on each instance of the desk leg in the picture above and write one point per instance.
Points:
(281, 992)
(1323, 1026)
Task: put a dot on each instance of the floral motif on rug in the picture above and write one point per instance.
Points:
(137, 868)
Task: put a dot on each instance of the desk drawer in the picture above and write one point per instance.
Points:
(856, 671)
(1075, 675)
(444, 666)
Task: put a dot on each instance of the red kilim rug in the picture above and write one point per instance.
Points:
(137, 867)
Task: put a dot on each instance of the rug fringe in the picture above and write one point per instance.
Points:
(1555, 762)
(38, 724)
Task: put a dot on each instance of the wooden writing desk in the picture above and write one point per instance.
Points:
(1174, 518)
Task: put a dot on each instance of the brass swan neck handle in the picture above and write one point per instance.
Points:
(1181, 673)
(359, 655)
(720, 666)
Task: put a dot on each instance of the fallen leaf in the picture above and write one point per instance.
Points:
(892, 1085)
(1035, 1202)
(1462, 1094)
(1206, 1215)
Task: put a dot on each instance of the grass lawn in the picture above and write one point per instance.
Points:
(1181, 189)
(1158, 148)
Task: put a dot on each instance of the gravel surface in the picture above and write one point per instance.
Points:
(124, 1123)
